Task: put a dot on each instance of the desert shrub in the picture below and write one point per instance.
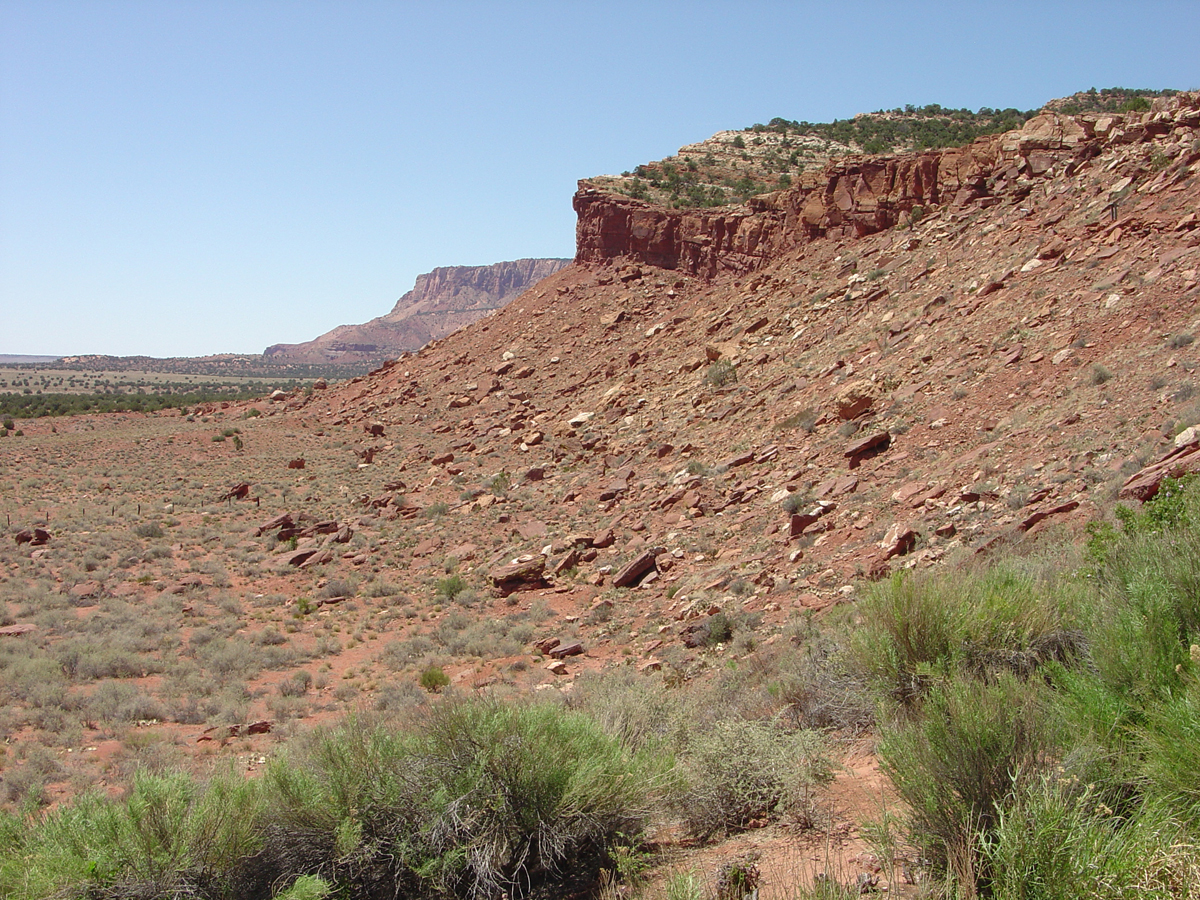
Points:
(739, 771)
(1148, 579)
(381, 587)
(434, 678)
(169, 837)
(805, 419)
(230, 658)
(296, 686)
(337, 587)
(1058, 841)
(119, 701)
(719, 629)
(24, 783)
(924, 627)
(636, 711)
(451, 586)
(402, 654)
(148, 530)
(794, 502)
(819, 683)
(398, 696)
(973, 748)
(307, 887)
(475, 799)
(720, 373)
(499, 484)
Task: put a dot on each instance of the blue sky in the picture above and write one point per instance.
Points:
(184, 178)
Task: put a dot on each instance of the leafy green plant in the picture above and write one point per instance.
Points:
(473, 799)
(434, 678)
(973, 747)
(499, 484)
(451, 586)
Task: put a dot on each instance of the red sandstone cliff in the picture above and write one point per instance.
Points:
(440, 302)
(856, 196)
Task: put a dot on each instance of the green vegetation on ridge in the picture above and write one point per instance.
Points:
(763, 158)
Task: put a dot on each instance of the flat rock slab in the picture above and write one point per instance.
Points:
(872, 443)
(636, 569)
(300, 557)
(562, 651)
(1043, 514)
(1144, 484)
(283, 520)
(899, 540)
(521, 574)
(836, 486)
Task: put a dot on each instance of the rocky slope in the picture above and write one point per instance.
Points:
(897, 362)
(825, 384)
(441, 301)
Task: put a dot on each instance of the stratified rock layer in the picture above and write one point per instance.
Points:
(440, 302)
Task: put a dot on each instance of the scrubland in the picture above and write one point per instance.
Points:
(1035, 714)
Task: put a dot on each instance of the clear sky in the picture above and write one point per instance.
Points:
(184, 178)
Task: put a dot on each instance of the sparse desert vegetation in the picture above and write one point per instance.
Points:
(855, 568)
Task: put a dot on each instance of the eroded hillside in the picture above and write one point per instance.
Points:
(713, 425)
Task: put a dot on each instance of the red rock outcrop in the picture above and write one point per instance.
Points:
(855, 197)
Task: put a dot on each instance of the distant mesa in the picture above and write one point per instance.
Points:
(440, 302)
(18, 359)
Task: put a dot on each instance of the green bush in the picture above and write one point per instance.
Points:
(921, 628)
(148, 530)
(475, 799)
(433, 679)
(974, 746)
(1058, 841)
(169, 837)
(451, 586)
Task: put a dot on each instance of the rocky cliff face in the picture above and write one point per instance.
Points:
(440, 302)
(857, 196)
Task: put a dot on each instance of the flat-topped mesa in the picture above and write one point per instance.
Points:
(857, 196)
(440, 302)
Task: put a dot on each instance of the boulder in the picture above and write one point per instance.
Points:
(899, 540)
(1144, 484)
(562, 651)
(523, 573)
(240, 491)
(1046, 513)
(854, 399)
(301, 556)
(636, 569)
(872, 443)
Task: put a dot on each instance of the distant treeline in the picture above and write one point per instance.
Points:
(239, 367)
(36, 406)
